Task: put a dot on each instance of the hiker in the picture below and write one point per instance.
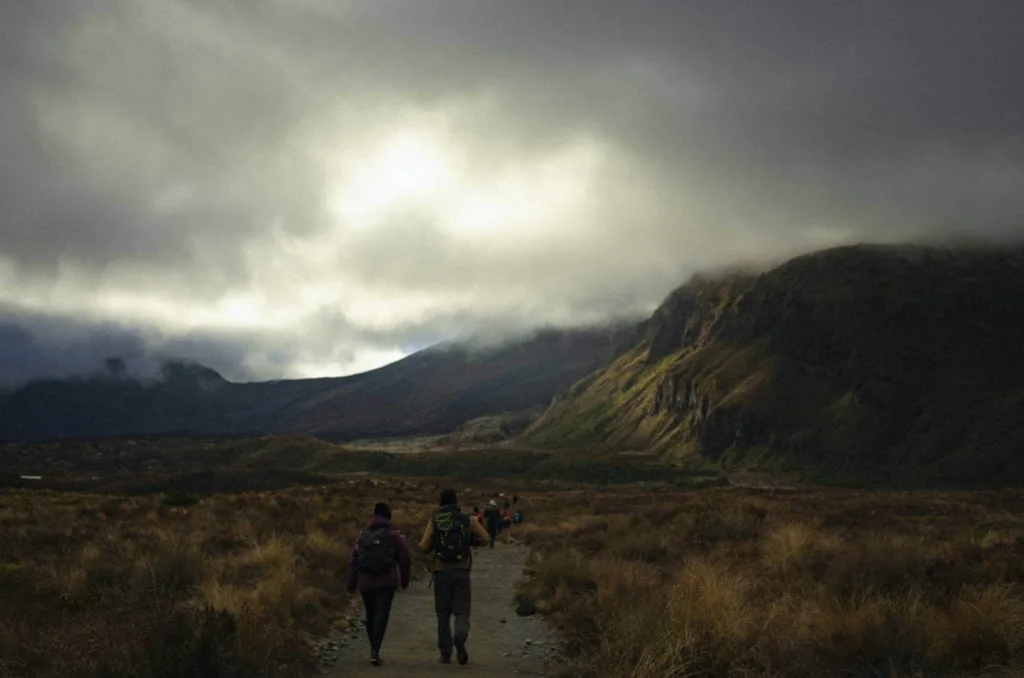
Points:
(506, 516)
(492, 518)
(517, 517)
(371, 571)
(450, 534)
(475, 515)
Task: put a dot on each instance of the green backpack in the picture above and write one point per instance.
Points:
(451, 535)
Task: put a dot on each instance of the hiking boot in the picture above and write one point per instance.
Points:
(461, 654)
(445, 659)
(375, 658)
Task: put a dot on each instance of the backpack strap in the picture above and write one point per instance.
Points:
(469, 542)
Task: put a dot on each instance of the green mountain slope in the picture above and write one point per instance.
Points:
(866, 363)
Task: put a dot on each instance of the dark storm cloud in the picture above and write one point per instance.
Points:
(150, 146)
(139, 141)
(38, 345)
(34, 345)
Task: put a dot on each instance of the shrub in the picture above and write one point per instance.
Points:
(93, 586)
(805, 584)
(179, 498)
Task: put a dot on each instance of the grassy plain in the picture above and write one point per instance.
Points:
(640, 580)
(176, 585)
(734, 582)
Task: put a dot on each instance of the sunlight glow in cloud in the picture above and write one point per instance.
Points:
(367, 360)
(309, 187)
(431, 173)
(407, 166)
(525, 200)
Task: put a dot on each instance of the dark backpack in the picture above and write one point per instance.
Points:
(375, 553)
(451, 535)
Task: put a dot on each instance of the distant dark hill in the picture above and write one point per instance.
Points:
(865, 363)
(433, 391)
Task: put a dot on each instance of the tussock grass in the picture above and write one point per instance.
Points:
(230, 585)
(804, 584)
(640, 581)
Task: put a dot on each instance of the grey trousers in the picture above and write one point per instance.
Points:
(451, 598)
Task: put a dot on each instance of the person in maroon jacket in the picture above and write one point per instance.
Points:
(379, 564)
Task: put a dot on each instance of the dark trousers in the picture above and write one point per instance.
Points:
(451, 598)
(378, 611)
(492, 532)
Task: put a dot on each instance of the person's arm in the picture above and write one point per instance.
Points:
(404, 561)
(478, 532)
(426, 543)
(353, 570)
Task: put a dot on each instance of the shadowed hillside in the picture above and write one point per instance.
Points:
(862, 363)
(433, 391)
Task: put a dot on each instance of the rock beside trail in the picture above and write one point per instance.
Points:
(347, 630)
(526, 607)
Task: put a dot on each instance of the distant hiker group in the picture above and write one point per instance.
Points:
(495, 518)
(380, 564)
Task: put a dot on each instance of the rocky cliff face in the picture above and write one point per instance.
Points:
(860, 360)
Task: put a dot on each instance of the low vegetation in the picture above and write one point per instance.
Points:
(204, 465)
(639, 580)
(178, 585)
(803, 583)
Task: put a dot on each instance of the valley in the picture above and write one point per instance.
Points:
(810, 471)
(866, 365)
(711, 313)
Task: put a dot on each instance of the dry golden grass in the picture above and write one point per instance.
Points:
(806, 583)
(640, 582)
(233, 585)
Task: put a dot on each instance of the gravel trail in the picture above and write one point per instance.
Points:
(501, 643)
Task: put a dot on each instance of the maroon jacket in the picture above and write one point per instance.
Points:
(388, 580)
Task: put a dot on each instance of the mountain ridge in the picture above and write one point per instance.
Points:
(431, 391)
(856, 362)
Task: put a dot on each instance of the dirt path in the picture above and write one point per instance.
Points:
(500, 642)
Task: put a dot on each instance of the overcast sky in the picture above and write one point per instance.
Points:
(285, 188)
